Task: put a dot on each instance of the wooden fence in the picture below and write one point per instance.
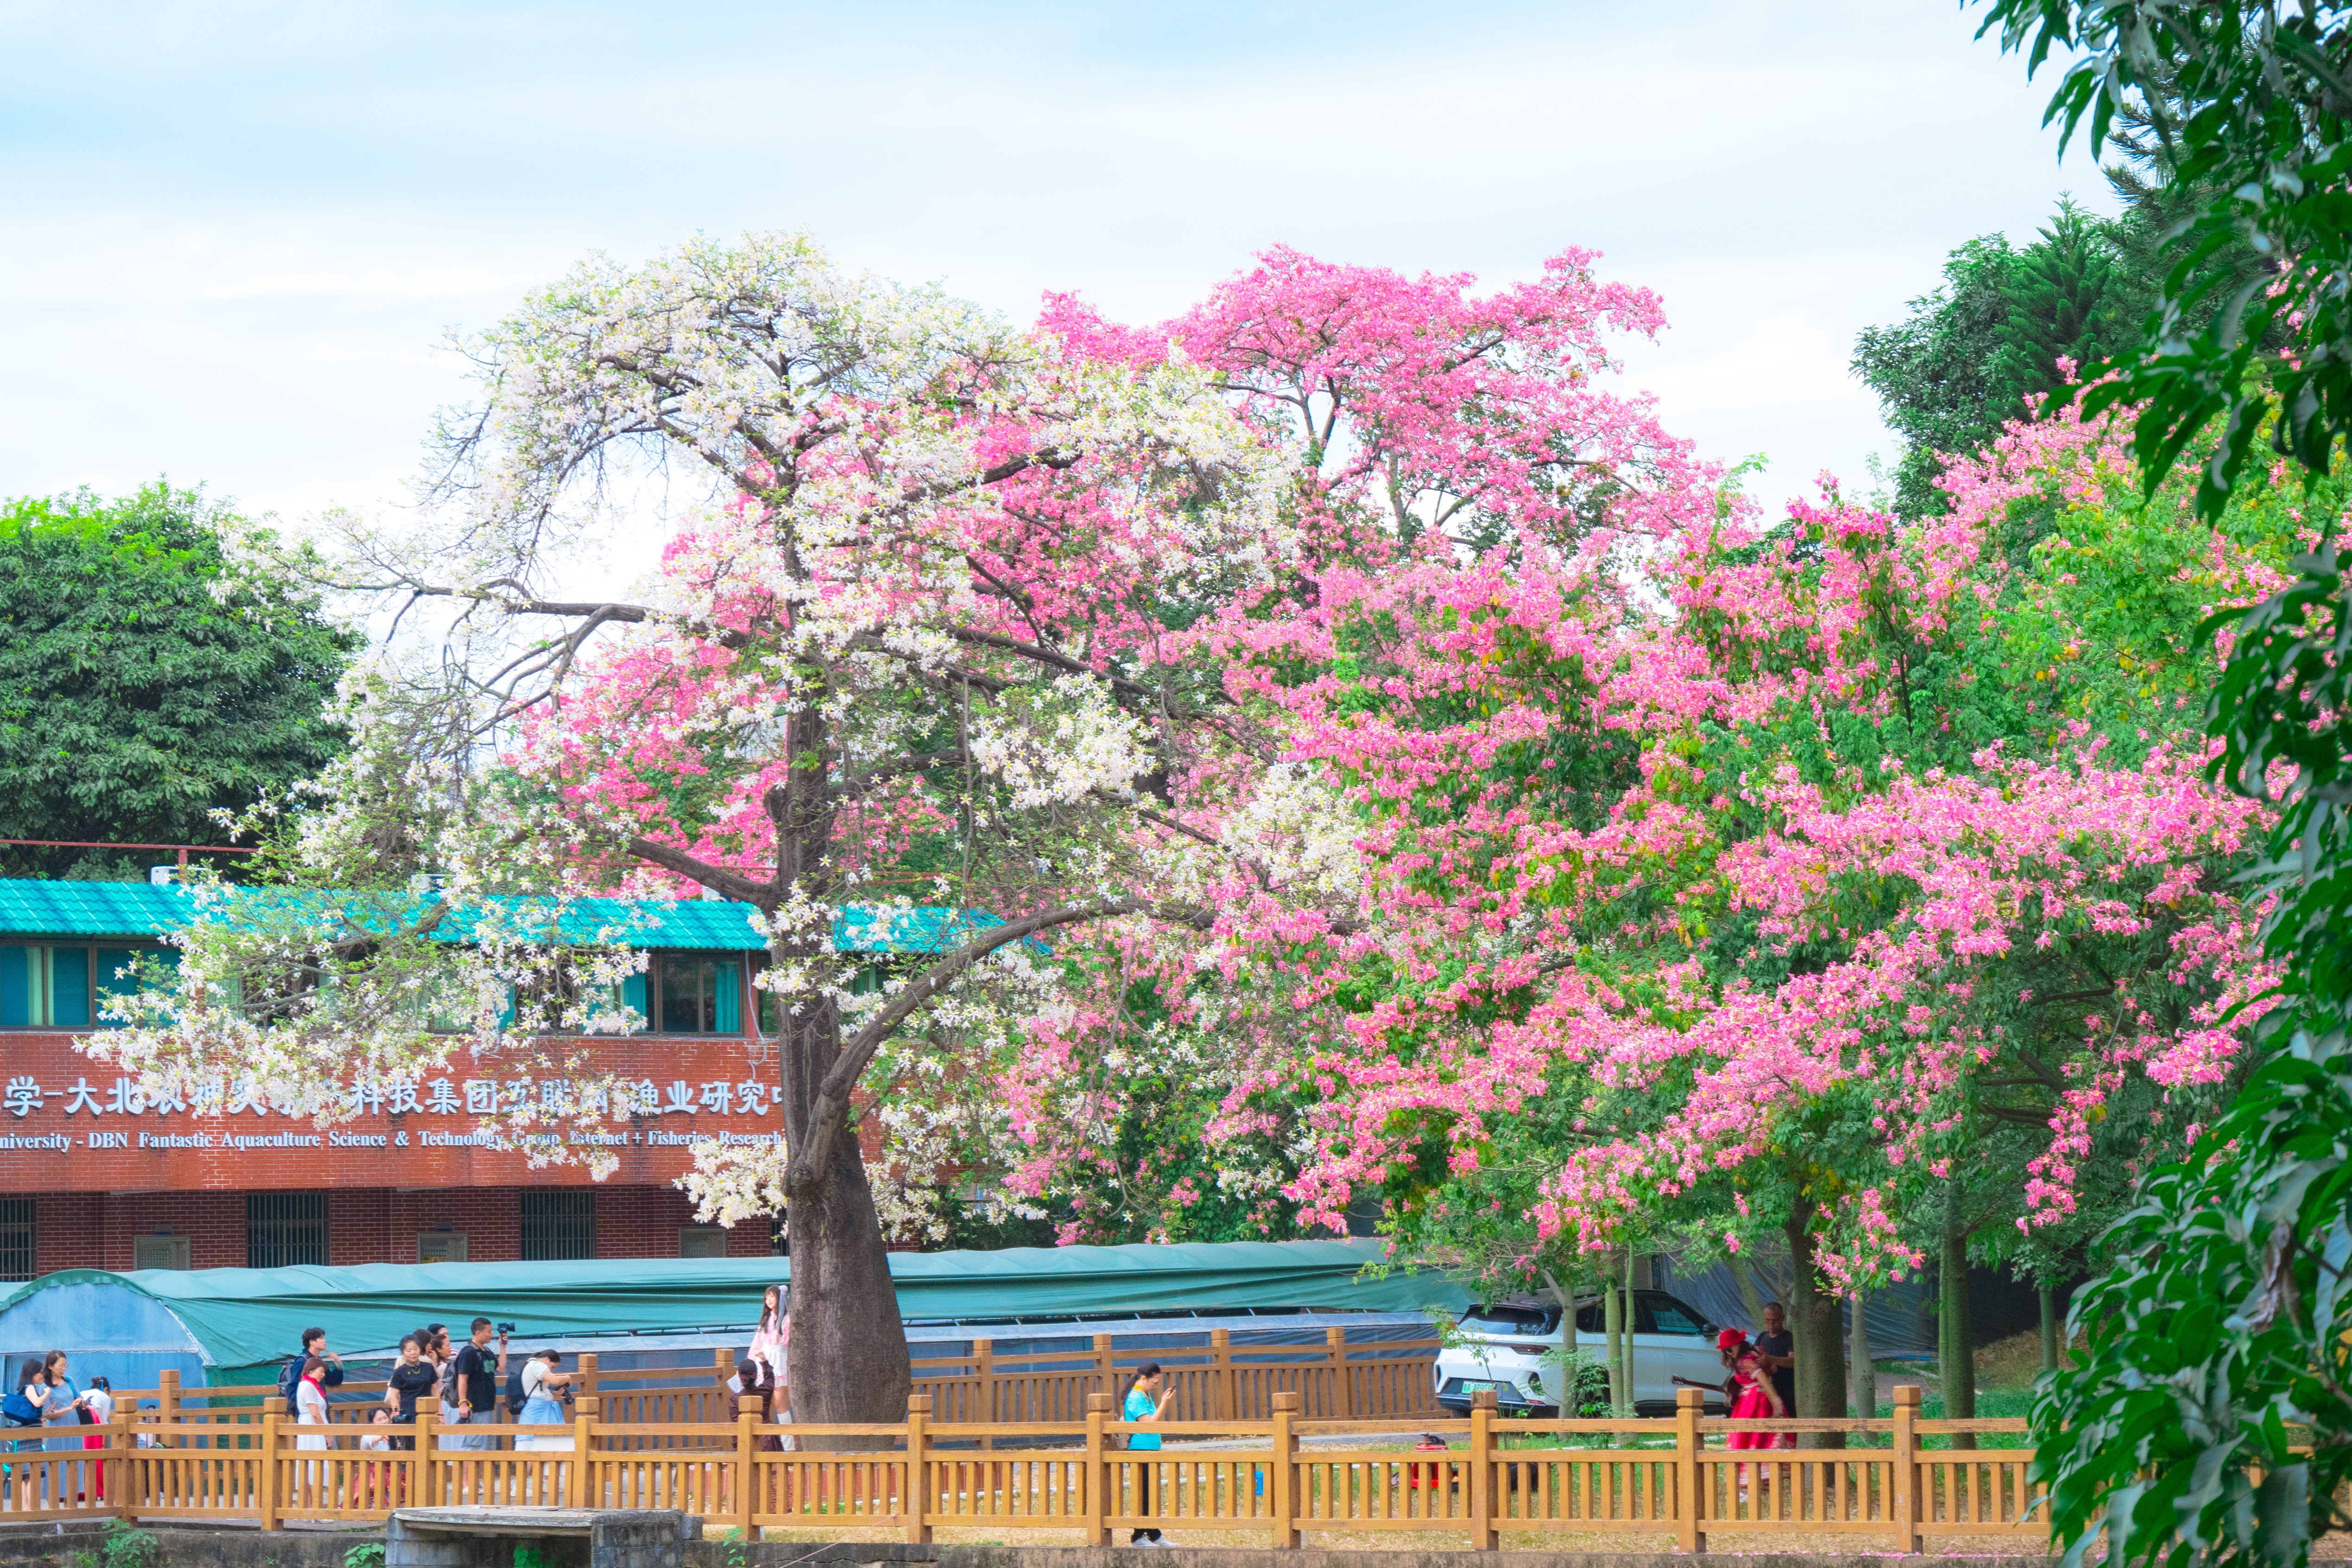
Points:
(1217, 1382)
(1676, 1476)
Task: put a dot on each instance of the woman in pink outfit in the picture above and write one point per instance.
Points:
(1756, 1401)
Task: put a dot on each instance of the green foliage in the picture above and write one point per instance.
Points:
(1974, 352)
(366, 1554)
(2216, 1343)
(145, 679)
(125, 1547)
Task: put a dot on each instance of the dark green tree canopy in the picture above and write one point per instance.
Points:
(145, 681)
(1971, 355)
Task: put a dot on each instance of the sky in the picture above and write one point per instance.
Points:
(233, 237)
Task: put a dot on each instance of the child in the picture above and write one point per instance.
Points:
(100, 1399)
(377, 1440)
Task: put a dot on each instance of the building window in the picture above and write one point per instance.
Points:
(701, 1241)
(701, 993)
(15, 1238)
(440, 1247)
(283, 1229)
(63, 986)
(163, 1250)
(559, 1222)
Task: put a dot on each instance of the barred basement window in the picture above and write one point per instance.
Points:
(282, 1229)
(15, 1238)
(559, 1222)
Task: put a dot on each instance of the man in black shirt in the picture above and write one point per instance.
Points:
(477, 1379)
(1778, 1347)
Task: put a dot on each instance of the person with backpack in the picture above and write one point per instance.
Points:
(20, 1410)
(1145, 1400)
(314, 1344)
(474, 1383)
(541, 1388)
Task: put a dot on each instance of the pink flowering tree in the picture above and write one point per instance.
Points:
(1761, 911)
(1466, 482)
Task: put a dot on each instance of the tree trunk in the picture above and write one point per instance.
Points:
(1816, 1323)
(2049, 1327)
(1612, 1322)
(848, 1361)
(1743, 1274)
(848, 1356)
(1956, 1351)
(1862, 1375)
(1566, 1392)
(1633, 1392)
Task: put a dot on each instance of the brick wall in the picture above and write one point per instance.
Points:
(365, 1225)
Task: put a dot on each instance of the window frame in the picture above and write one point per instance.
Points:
(657, 967)
(526, 1198)
(92, 992)
(259, 1223)
(20, 1213)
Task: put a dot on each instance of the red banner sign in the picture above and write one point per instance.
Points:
(71, 1124)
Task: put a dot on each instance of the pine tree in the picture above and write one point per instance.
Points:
(1971, 355)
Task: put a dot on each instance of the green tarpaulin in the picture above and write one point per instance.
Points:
(241, 1317)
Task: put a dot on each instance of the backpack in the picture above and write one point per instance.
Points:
(514, 1390)
(288, 1379)
(18, 1411)
(1117, 1439)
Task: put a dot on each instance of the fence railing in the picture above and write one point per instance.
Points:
(1680, 1476)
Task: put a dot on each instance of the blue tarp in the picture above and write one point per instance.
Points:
(236, 1318)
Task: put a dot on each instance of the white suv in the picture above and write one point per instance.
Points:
(1506, 1342)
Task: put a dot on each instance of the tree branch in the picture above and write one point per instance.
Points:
(718, 879)
(830, 1107)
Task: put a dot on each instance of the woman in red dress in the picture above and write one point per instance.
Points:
(1756, 1401)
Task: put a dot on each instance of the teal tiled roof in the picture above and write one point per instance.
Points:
(90, 909)
(139, 910)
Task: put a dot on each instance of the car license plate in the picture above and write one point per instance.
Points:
(1470, 1387)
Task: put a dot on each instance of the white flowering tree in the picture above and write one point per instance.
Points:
(910, 650)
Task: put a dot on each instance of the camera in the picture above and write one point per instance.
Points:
(505, 1328)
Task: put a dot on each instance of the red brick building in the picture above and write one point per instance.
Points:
(92, 1176)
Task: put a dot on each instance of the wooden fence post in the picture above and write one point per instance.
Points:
(1902, 1511)
(1223, 1404)
(267, 1504)
(1689, 1405)
(1482, 1471)
(1282, 1471)
(114, 1475)
(585, 1382)
(984, 1386)
(167, 1397)
(583, 1465)
(1104, 1370)
(722, 1367)
(428, 1474)
(1344, 1399)
(746, 1450)
(1097, 1482)
(916, 1496)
